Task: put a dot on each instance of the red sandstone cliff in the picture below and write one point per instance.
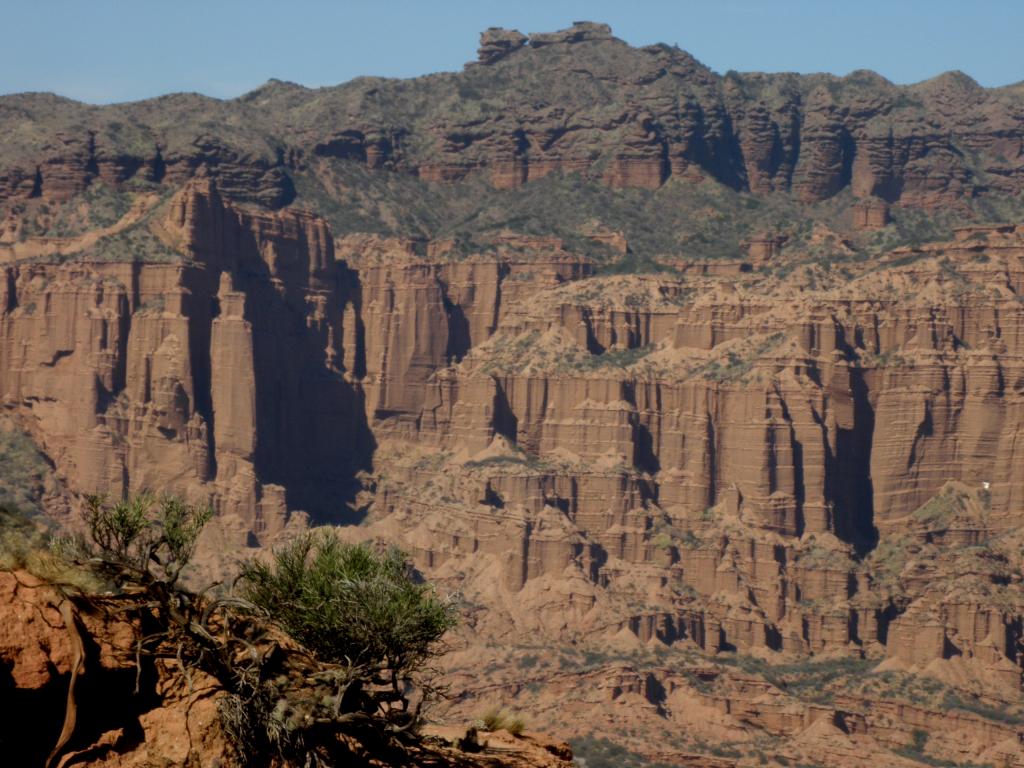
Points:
(727, 461)
(830, 412)
(805, 450)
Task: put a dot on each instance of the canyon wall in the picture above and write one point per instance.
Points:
(214, 376)
(805, 448)
(744, 463)
(730, 446)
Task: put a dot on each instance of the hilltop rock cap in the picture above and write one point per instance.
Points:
(497, 43)
(577, 33)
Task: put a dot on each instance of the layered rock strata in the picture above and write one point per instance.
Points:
(216, 376)
(578, 100)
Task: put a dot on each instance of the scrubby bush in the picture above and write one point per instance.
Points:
(140, 542)
(599, 752)
(350, 605)
(19, 538)
(500, 720)
(23, 470)
(324, 645)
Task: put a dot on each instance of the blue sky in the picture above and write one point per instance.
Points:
(117, 50)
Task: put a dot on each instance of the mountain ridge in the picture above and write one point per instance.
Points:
(575, 101)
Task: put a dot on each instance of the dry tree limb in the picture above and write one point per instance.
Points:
(67, 612)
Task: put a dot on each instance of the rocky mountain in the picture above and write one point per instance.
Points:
(702, 390)
(573, 101)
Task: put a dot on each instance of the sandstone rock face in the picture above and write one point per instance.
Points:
(137, 359)
(756, 469)
(600, 423)
(805, 449)
(114, 727)
(497, 43)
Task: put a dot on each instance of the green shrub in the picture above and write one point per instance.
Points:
(349, 604)
(19, 538)
(953, 700)
(940, 510)
(622, 358)
(599, 752)
(361, 623)
(141, 540)
(920, 739)
(23, 470)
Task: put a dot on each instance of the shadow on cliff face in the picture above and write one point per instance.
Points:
(853, 491)
(312, 436)
(32, 718)
(459, 341)
(106, 700)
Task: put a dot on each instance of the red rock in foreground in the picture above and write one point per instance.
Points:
(170, 720)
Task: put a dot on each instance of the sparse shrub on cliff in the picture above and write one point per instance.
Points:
(691, 540)
(370, 625)
(519, 459)
(940, 510)
(154, 304)
(985, 497)
(567, 662)
(499, 720)
(349, 604)
(920, 739)
(19, 538)
(23, 469)
(325, 644)
(662, 541)
(887, 359)
(598, 752)
(636, 300)
(135, 244)
(25, 544)
(953, 700)
(100, 205)
(140, 541)
(622, 358)
(738, 363)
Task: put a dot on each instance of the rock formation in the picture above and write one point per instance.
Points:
(787, 436)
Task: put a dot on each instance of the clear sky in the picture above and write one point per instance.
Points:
(117, 50)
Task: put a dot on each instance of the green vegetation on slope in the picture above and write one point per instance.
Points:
(24, 471)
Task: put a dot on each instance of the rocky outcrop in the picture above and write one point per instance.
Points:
(44, 639)
(497, 43)
(158, 714)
